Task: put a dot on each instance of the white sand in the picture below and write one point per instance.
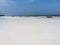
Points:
(29, 31)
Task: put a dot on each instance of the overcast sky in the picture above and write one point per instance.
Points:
(29, 7)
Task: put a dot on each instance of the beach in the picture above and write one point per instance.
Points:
(29, 31)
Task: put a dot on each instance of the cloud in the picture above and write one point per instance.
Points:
(5, 5)
(32, 0)
(6, 2)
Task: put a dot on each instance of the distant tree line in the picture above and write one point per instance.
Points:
(2, 15)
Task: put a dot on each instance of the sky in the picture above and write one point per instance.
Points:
(29, 7)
